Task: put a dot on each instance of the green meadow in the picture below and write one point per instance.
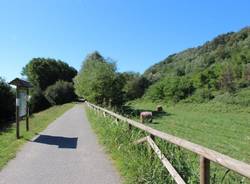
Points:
(137, 164)
(224, 128)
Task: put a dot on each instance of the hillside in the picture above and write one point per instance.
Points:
(226, 48)
(218, 67)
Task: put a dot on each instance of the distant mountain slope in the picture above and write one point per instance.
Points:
(231, 47)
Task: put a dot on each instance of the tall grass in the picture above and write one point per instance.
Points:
(138, 164)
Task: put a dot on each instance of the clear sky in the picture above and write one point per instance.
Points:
(135, 33)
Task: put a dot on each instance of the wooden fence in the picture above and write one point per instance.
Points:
(206, 155)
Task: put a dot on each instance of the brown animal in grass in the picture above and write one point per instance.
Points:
(146, 116)
(159, 108)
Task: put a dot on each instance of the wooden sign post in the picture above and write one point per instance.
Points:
(17, 114)
(27, 110)
(22, 102)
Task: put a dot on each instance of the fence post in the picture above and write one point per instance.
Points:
(204, 170)
(150, 150)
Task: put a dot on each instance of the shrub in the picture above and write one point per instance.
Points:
(171, 88)
(155, 92)
(178, 88)
(7, 102)
(240, 98)
(38, 101)
(59, 93)
(202, 95)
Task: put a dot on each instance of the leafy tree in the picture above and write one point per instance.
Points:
(246, 74)
(95, 80)
(180, 71)
(156, 91)
(7, 102)
(42, 72)
(202, 95)
(171, 89)
(38, 101)
(61, 92)
(227, 79)
(117, 94)
(178, 88)
(135, 85)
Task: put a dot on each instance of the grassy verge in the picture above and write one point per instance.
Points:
(9, 145)
(224, 128)
(137, 164)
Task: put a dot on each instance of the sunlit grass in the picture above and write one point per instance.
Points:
(138, 165)
(224, 128)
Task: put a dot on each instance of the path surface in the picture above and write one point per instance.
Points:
(67, 152)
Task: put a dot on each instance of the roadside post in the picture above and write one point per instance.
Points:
(22, 102)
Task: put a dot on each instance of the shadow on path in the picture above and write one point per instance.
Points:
(61, 142)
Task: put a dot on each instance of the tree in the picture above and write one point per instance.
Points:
(61, 92)
(38, 101)
(156, 91)
(7, 102)
(117, 93)
(135, 85)
(42, 72)
(227, 79)
(96, 80)
(178, 88)
(246, 74)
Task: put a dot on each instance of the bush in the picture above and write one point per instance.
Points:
(59, 93)
(7, 102)
(38, 101)
(240, 98)
(179, 88)
(155, 92)
(202, 95)
(171, 88)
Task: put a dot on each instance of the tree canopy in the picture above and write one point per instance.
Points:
(43, 72)
(95, 79)
(59, 93)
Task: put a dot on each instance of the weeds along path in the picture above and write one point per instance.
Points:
(66, 152)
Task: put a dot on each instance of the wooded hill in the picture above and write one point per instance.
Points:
(220, 66)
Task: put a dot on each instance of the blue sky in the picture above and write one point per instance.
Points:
(135, 33)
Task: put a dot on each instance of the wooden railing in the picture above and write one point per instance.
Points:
(206, 155)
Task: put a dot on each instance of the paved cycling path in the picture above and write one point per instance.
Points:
(67, 152)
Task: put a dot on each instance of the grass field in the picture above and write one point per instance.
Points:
(9, 145)
(137, 165)
(224, 128)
